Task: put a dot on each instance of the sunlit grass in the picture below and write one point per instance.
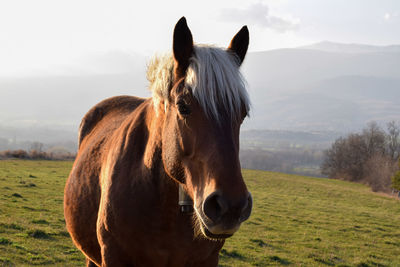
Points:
(303, 221)
(31, 215)
(296, 221)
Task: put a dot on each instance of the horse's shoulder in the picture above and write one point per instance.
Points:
(114, 105)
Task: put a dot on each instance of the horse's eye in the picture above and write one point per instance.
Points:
(183, 108)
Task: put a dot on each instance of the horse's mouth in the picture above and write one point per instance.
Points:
(208, 234)
(212, 230)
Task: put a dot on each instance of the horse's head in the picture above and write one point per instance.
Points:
(203, 104)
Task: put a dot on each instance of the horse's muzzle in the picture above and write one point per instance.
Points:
(221, 217)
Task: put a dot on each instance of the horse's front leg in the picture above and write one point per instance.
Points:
(90, 263)
(111, 253)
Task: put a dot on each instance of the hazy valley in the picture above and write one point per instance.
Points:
(302, 98)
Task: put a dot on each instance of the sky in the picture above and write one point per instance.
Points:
(43, 36)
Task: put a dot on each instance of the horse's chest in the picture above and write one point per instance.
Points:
(162, 239)
(151, 230)
(175, 252)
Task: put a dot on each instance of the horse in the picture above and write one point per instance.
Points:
(157, 181)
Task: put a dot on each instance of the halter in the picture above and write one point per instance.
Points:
(185, 201)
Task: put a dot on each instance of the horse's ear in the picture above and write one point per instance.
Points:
(182, 47)
(240, 43)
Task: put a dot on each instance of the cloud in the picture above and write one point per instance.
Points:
(258, 14)
(390, 16)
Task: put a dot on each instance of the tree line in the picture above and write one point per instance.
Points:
(304, 161)
(36, 152)
(370, 157)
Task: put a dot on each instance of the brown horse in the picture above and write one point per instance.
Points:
(121, 198)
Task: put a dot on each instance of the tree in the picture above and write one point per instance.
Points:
(393, 140)
(365, 157)
(37, 147)
(346, 158)
(396, 179)
(375, 139)
(378, 171)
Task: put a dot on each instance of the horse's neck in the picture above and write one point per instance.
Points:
(150, 126)
(152, 155)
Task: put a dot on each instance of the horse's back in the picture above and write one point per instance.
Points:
(115, 107)
(82, 191)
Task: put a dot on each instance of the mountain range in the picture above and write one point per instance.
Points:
(326, 86)
(322, 87)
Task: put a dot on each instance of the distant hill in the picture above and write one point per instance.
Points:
(322, 87)
(61, 101)
(343, 104)
(327, 46)
(284, 139)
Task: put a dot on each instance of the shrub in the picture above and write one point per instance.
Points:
(378, 171)
(37, 155)
(396, 179)
(368, 157)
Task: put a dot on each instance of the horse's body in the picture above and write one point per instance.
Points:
(121, 199)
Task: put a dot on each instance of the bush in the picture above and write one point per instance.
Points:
(346, 158)
(396, 179)
(368, 157)
(36, 155)
(19, 154)
(378, 171)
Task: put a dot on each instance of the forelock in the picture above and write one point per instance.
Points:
(217, 83)
(213, 75)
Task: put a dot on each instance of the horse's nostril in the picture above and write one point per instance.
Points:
(222, 205)
(214, 206)
(246, 202)
(217, 208)
(246, 210)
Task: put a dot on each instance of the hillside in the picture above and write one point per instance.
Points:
(351, 48)
(321, 88)
(296, 221)
(344, 102)
(325, 86)
(281, 139)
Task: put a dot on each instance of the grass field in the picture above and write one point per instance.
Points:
(296, 221)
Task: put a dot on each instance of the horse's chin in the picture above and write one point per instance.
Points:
(212, 236)
(208, 231)
(204, 231)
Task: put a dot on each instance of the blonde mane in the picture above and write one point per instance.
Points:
(213, 75)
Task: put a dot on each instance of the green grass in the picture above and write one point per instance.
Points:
(302, 221)
(296, 221)
(32, 227)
